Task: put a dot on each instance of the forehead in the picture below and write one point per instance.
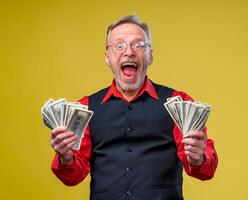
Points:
(127, 32)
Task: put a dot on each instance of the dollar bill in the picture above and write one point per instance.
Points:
(69, 108)
(56, 109)
(73, 115)
(173, 111)
(48, 119)
(77, 124)
(187, 115)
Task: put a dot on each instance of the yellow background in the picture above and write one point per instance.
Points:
(55, 48)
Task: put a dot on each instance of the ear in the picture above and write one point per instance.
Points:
(107, 58)
(150, 57)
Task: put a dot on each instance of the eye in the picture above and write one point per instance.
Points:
(120, 46)
(139, 45)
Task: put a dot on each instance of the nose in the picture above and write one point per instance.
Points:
(129, 51)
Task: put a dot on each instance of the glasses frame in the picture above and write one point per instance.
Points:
(132, 46)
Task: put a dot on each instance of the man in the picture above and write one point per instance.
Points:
(132, 147)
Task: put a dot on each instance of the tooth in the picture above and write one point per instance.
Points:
(129, 63)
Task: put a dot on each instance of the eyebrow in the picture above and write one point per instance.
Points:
(119, 40)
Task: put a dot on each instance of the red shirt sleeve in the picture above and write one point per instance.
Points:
(207, 169)
(80, 167)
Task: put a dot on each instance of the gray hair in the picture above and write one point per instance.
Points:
(133, 19)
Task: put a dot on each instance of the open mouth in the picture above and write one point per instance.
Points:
(129, 69)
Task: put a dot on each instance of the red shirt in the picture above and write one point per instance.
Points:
(78, 170)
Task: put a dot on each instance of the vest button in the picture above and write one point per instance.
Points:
(128, 193)
(128, 169)
(129, 129)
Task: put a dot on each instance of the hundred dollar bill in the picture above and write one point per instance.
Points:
(78, 122)
(56, 109)
(48, 119)
(68, 110)
(187, 109)
(173, 111)
(200, 123)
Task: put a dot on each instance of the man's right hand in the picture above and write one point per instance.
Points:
(62, 141)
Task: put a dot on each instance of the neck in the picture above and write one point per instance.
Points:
(129, 95)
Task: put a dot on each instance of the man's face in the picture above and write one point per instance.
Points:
(129, 67)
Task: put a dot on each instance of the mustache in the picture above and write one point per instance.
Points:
(129, 61)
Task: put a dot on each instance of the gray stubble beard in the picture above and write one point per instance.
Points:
(129, 86)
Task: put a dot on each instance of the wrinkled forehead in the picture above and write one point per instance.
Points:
(127, 32)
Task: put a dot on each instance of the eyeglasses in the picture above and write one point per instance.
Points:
(120, 47)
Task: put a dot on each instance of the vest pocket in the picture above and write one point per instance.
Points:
(163, 192)
(100, 195)
(166, 186)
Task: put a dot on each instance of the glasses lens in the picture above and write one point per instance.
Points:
(139, 46)
(119, 47)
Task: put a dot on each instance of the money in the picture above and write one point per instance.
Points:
(73, 115)
(187, 115)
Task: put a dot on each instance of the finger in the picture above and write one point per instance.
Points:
(58, 130)
(193, 149)
(193, 156)
(194, 161)
(62, 136)
(196, 134)
(64, 148)
(71, 144)
(61, 143)
(192, 142)
(67, 141)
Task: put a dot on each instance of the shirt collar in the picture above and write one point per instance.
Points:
(147, 87)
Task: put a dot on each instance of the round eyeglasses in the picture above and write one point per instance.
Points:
(120, 47)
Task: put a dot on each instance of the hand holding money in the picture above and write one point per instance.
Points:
(190, 117)
(194, 147)
(62, 141)
(74, 117)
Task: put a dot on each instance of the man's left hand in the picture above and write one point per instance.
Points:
(194, 146)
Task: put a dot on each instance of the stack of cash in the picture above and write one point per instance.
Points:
(73, 115)
(188, 116)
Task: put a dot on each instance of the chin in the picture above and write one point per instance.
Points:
(129, 86)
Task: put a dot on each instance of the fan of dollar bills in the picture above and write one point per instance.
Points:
(188, 116)
(73, 115)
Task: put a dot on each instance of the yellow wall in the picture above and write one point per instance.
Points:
(55, 48)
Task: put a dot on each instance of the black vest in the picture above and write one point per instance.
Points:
(134, 155)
